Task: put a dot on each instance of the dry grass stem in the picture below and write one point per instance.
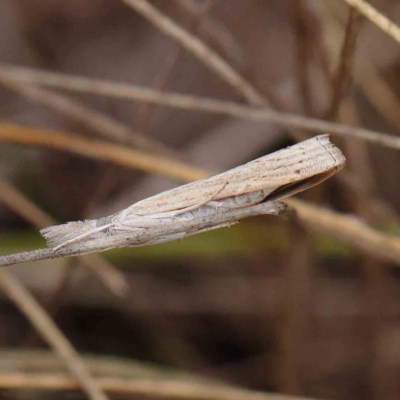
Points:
(343, 227)
(216, 33)
(377, 18)
(195, 46)
(143, 237)
(50, 332)
(146, 110)
(302, 50)
(348, 229)
(342, 79)
(374, 86)
(100, 150)
(162, 389)
(112, 278)
(91, 119)
(194, 103)
(23, 206)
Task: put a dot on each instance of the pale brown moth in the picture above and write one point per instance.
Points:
(267, 179)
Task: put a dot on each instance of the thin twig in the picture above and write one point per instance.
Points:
(90, 118)
(54, 297)
(366, 184)
(294, 308)
(343, 227)
(342, 80)
(100, 150)
(112, 278)
(216, 33)
(358, 152)
(50, 332)
(140, 237)
(139, 387)
(194, 103)
(375, 86)
(348, 229)
(23, 206)
(199, 49)
(377, 18)
(299, 19)
(146, 110)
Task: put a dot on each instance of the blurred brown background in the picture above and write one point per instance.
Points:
(267, 305)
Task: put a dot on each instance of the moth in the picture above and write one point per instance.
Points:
(267, 179)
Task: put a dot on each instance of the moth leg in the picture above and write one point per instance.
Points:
(86, 234)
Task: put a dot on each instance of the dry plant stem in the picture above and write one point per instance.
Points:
(341, 101)
(94, 120)
(100, 150)
(343, 227)
(342, 79)
(364, 183)
(157, 388)
(127, 376)
(298, 261)
(194, 103)
(49, 331)
(137, 238)
(216, 33)
(199, 49)
(348, 229)
(146, 110)
(295, 288)
(377, 18)
(375, 271)
(317, 48)
(220, 37)
(54, 298)
(299, 21)
(23, 206)
(361, 167)
(142, 121)
(378, 207)
(112, 278)
(374, 86)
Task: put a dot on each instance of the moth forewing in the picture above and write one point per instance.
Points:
(296, 163)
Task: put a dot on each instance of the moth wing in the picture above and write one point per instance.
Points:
(293, 164)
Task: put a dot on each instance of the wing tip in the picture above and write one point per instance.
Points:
(334, 151)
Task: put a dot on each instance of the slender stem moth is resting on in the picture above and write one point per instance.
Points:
(265, 180)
